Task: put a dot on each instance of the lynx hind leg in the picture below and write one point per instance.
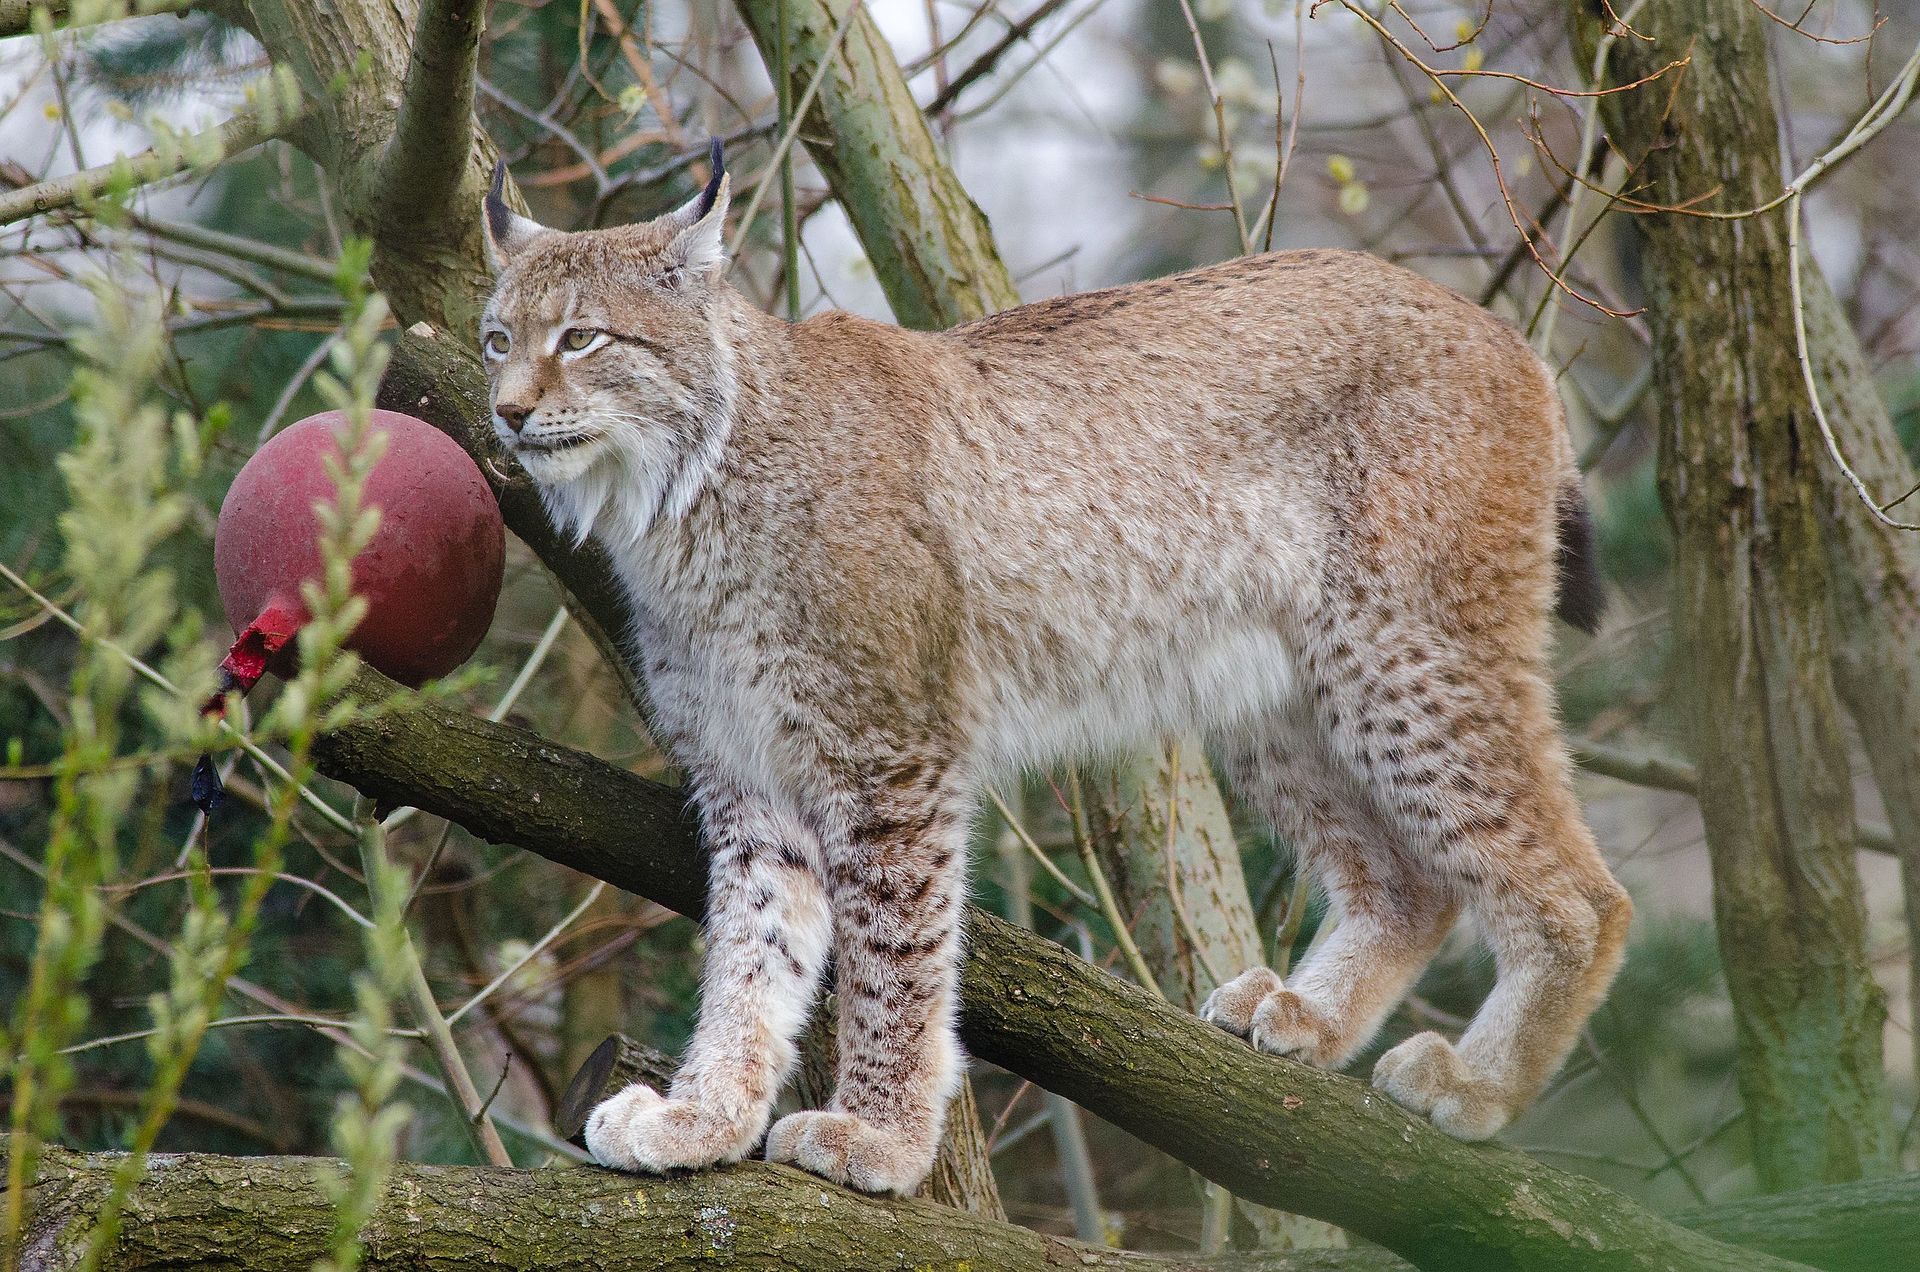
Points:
(767, 929)
(1389, 916)
(1467, 765)
(898, 889)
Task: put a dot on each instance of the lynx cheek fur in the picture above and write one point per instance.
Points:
(1304, 502)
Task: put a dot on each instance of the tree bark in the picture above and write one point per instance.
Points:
(1740, 476)
(928, 242)
(1875, 575)
(270, 1214)
(1270, 1130)
(1162, 829)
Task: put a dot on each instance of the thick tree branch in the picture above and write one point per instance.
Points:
(418, 180)
(270, 1214)
(1271, 1130)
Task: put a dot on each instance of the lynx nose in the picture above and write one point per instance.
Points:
(514, 414)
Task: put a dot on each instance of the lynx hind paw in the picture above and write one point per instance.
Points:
(848, 1151)
(1425, 1075)
(641, 1130)
(1257, 1006)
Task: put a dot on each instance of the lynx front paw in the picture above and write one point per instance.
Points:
(1427, 1076)
(849, 1151)
(639, 1129)
(1257, 1006)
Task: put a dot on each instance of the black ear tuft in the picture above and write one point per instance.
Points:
(716, 160)
(499, 215)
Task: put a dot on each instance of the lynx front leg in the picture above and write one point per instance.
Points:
(767, 927)
(898, 888)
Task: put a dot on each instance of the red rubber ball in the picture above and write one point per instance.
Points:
(430, 576)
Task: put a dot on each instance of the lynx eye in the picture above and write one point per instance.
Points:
(578, 338)
(498, 342)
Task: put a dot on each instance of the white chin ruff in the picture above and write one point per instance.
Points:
(555, 468)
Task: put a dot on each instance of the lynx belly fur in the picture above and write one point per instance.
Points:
(1307, 504)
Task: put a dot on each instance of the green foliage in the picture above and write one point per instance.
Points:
(120, 508)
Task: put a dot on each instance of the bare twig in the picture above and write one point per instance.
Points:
(983, 65)
(1796, 26)
(793, 125)
(1110, 908)
(532, 952)
(1493, 154)
(1220, 128)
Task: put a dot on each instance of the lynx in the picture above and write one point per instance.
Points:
(1307, 503)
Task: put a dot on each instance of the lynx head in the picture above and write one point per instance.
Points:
(609, 372)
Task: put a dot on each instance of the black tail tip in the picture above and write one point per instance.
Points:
(1583, 597)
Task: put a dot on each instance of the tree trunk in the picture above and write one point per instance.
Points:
(1161, 827)
(1875, 576)
(1739, 474)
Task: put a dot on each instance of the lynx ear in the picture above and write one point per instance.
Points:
(699, 249)
(507, 232)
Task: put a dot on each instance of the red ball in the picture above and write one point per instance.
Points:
(430, 576)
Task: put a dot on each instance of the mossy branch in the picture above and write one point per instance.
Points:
(271, 1214)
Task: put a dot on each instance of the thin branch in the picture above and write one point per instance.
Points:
(437, 1033)
(16, 16)
(1220, 128)
(280, 876)
(262, 1018)
(532, 952)
(1794, 25)
(1662, 774)
(1493, 157)
(299, 264)
(984, 64)
(1885, 109)
(244, 131)
(1811, 381)
(1589, 137)
(1034, 850)
(1109, 907)
(799, 113)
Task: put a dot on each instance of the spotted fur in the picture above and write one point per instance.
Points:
(1303, 502)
